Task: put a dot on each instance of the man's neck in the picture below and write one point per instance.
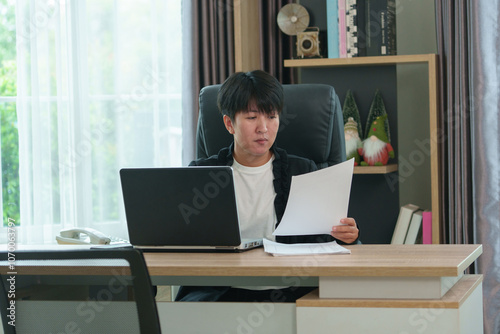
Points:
(252, 161)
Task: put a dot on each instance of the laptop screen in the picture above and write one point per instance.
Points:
(180, 206)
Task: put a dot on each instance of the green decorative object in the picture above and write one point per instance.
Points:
(350, 110)
(377, 109)
(376, 149)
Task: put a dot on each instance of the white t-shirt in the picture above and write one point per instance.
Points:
(255, 199)
(255, 203)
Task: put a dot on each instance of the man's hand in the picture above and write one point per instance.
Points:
(347, 232)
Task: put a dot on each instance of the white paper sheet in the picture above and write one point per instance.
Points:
(278, 249)
(317, 201)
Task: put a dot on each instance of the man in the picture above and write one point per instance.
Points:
(251, 104)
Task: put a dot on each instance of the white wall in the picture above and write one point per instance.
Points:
(416, 34)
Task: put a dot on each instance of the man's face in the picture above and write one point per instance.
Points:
(254, 134)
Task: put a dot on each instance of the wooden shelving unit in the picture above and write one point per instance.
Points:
(376, 169)
(427, 59)
(360, 61)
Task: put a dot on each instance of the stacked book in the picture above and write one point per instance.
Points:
(414, 226)
(361, 28)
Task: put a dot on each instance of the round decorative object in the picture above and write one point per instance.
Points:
(292, 19)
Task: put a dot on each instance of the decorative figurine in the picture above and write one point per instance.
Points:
(352, 141)
(376, 148)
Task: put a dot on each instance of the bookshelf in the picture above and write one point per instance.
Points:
(430, 60)
(360, 61)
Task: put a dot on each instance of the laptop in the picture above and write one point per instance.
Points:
(182, 208)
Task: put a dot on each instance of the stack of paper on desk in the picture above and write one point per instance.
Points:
(277, 249)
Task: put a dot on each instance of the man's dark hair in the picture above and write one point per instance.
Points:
(241, 88)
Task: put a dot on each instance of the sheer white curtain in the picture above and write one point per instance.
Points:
(99, 88)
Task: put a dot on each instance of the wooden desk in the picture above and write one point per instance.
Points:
(369, 269)
(393, 288)
(420, 271)
(364, 260)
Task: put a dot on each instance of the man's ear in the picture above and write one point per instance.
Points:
(229, 124)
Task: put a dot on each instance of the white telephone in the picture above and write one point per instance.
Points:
(84, 236)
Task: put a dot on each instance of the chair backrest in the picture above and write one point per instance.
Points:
(311, 124)
(80, 291)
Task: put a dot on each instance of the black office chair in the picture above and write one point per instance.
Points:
(311, 125)
(85, 291)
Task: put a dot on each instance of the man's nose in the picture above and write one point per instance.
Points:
(262, 123)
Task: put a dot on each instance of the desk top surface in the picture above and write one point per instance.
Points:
(364, 260)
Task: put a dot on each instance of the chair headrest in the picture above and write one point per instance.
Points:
(311, 124)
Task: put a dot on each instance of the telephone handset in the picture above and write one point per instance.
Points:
(80, 236)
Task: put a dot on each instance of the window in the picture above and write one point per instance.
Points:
(98, 89)
(9, 163)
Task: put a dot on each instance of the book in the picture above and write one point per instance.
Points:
(361, 27)
(342, 29)
(389, 38)
(351, 29)
(380, 27)
(401, 228)
(427, 227)
(415, 227)
(332, 29)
